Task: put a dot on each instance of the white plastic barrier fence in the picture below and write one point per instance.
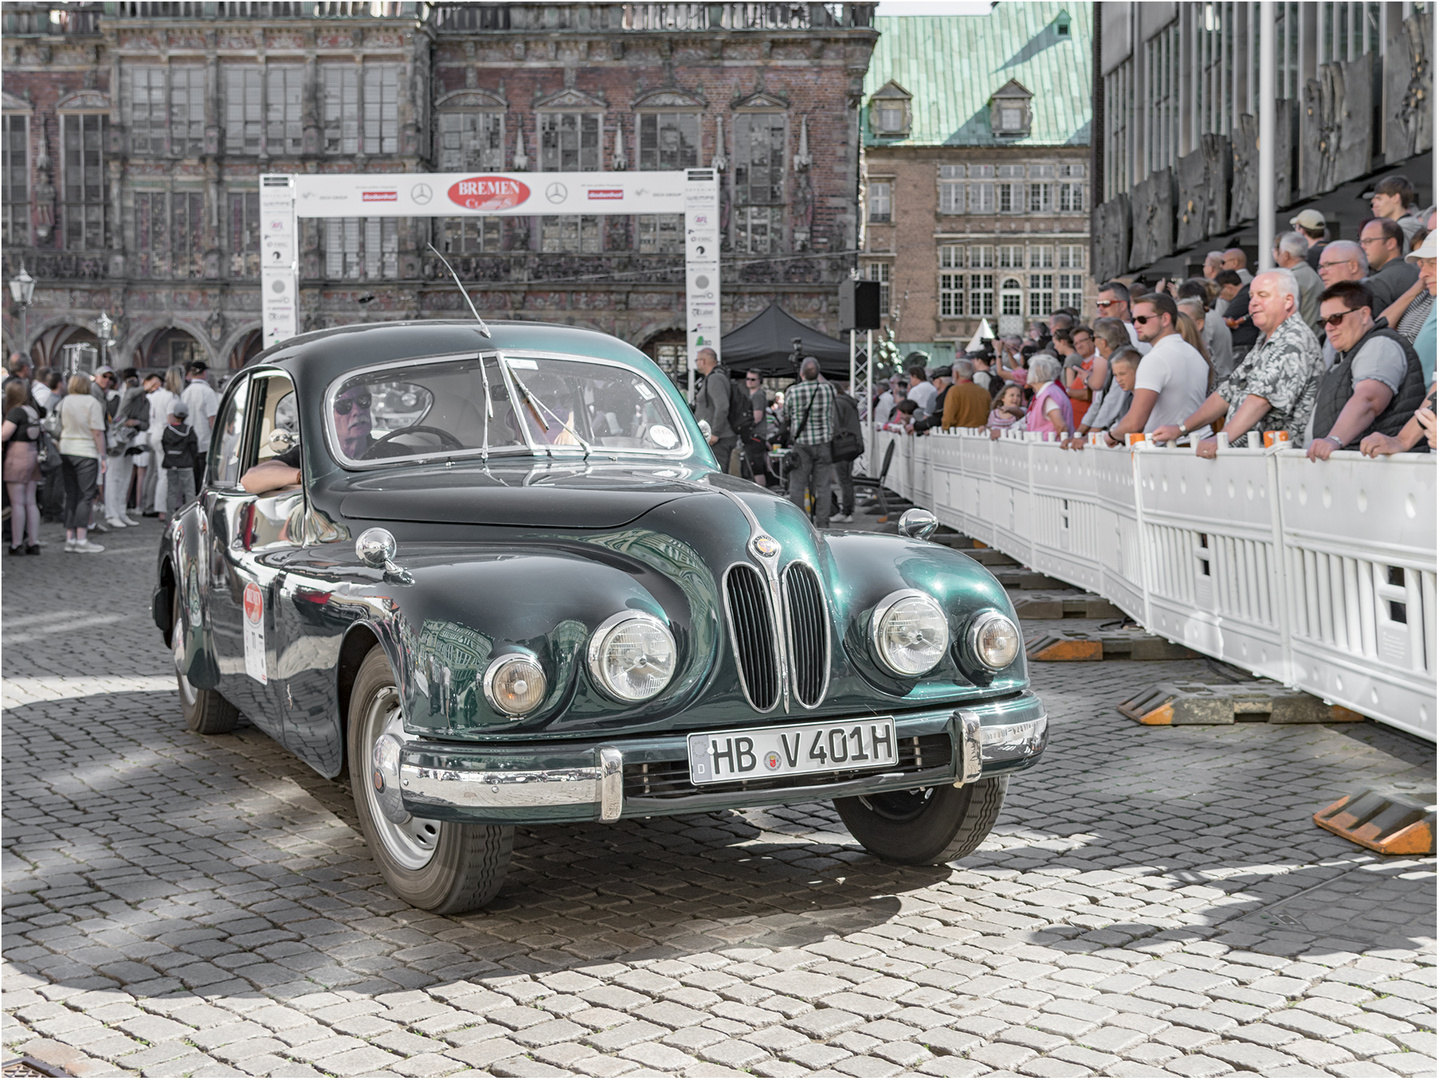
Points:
(1320, 575)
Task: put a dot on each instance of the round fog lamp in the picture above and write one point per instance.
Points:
(515, 685)
(909, 632)
(632, 656)
(994, 641)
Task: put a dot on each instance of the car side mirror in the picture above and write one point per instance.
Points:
(282, 439)
(918, 524)
(376, 549)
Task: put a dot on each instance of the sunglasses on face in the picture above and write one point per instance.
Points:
(1105, 303)
(1140, 320)
(1337, 317)
(344, 405)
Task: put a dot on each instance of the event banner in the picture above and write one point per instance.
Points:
(279, 287)
(460, 194)
(702, 262)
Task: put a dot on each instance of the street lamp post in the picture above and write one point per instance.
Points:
(103, 326)
(22, 291)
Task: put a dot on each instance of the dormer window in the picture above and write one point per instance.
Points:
(889, 111)
(1061, 24)
(1010, 115)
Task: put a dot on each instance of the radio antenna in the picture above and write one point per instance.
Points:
(463, 292)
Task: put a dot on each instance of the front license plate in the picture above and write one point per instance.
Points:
(720, 756)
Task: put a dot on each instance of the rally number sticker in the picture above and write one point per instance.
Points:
(255, 633)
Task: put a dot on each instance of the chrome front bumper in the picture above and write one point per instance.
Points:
(586, 783)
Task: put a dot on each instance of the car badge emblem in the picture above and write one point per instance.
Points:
(766, 547)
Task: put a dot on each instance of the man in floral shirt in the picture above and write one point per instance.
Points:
(1274, 387)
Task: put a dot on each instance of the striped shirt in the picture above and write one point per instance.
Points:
(819, 423)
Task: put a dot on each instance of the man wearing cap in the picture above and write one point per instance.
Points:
(1394, 198)
(203, 403)
(1311, 225)
(1390, 276)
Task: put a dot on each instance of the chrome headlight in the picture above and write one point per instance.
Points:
(909, 632)
(514, 684)
(632, 656)
(993, 640)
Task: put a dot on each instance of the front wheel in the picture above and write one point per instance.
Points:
(924, 826)
(205, 711)
(439, 866)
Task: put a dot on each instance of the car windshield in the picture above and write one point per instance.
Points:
(532, 404)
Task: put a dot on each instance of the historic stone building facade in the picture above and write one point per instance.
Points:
(135, 133)
(1176, 100)
(976, 165)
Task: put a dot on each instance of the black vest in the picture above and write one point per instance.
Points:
(1336, 387)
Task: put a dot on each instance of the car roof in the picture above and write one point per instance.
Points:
(326, 354)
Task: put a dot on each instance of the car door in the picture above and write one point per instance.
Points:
(236, 593)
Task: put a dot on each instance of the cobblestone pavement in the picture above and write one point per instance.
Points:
(1153, 901)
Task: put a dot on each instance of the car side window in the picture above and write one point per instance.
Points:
(277, 411)
(228, 442)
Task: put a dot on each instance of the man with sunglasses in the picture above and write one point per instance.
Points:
(1172, 378)
(1274, 386)
(1113, 303)
(353, 424)
(1375, 383)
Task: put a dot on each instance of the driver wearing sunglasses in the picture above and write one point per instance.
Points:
(353, 424)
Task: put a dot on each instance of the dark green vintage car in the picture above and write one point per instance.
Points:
(512, 588)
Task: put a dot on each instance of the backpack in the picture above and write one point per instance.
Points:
(741, 412)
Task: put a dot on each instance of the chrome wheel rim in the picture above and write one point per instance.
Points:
(412, 844)
(177, 640)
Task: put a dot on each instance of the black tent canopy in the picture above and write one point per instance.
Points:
(766, 344)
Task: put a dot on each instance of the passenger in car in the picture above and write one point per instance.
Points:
(353, 424)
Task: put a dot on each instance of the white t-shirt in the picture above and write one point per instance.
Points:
(203, 403)
(1175, 371)
(160, 402)
(924, 393)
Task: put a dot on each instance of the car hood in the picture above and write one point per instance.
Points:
(550, 496)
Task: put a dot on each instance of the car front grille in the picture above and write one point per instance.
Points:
(808, 633)
(752, 627)
(671, 779)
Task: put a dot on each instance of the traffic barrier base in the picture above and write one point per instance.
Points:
(1390, 823)
(1124, 644)
(1200, 703)
(1065, 605)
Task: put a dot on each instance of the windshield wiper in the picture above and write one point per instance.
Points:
(531, 402)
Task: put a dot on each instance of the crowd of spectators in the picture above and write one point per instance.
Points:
(1334, 346)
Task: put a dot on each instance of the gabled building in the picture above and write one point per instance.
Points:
(135, 132)
(976, 133)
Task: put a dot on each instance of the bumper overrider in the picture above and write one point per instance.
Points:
(645, 776)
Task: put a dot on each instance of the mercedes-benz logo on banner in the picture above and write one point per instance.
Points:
(557, 192)
(422, 193)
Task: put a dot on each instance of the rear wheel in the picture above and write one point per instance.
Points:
(924, 826)
(440, 866)
(206, 712)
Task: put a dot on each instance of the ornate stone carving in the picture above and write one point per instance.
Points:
(1151, 219)
(1111, 238)
(1203, 196)
(1334, 126)
(1244, 185)
(1409, 88)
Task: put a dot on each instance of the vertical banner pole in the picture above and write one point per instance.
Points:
(702, 267)
(279, 284)
(1267, 181)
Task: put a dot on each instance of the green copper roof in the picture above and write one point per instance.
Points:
(953, 64)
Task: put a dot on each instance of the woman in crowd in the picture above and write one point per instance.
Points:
(21, 433)
(82, 459)
(1050, 412)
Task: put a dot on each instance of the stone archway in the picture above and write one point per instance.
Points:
(669, 349)
(244, 347)
(166, 345)
(49, 345)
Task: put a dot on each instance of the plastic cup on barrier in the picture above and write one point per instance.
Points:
(1134, 438)
(1276, 438)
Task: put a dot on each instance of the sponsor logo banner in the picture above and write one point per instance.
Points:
(489, 193)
